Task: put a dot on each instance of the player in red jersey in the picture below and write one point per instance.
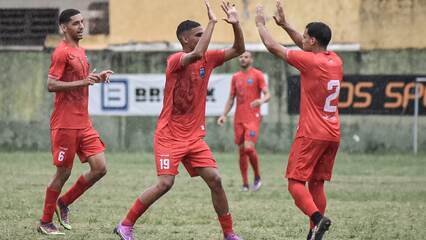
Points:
(181, 125)
(247, 86)
(71, 129)
(317, 140)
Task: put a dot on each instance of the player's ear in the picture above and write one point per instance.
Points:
(313, 41)
(63, 27)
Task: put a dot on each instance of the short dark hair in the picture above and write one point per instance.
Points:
(186, 26)
(66, 15)
(320, 31)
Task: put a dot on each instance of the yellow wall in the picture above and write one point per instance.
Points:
(372, 23)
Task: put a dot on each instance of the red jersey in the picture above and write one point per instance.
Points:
(247, 87)
(70, 110)
(321, 75)
(184, 103)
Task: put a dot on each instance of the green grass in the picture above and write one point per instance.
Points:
(370, 197)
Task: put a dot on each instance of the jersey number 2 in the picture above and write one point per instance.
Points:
(330, 86)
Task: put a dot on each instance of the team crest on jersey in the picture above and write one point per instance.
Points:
(252, 133)
(249, 81)
(202, 72)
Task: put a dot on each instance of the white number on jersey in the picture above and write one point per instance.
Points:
(164, 163)
(330, 86)
(61, 156)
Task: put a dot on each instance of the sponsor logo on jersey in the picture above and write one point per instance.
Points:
(249, 81)
(252, 133)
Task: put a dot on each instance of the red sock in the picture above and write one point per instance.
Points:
(49, 205)
(243, 166)
(302, 197)
(254, 160)
(226, 223)
(316, 188)
(134, 213)
(75, 191)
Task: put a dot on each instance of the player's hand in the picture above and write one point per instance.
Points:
(231, 12)
(260, 18)
(91, 79)
(105, 75)
(212, 16)
(221, 120)
(256, 103)
(279, 16)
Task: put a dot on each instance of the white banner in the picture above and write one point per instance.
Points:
(142, 95)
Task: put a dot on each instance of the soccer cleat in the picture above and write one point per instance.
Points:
(62, 212)
(244, 188)
(319, 230)
(124, 232)
(49, 229)
(256, 185)
(232, 236)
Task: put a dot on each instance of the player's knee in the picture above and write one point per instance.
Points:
(248, 150)
(292, 185)
(215, 182)
(62, 176)
(100, 172)
(165, 185)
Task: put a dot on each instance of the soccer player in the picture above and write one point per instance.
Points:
(317, 140)
(181, 125)
(71, 129)
(251, 91)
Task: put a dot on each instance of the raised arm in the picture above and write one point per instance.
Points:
(204, 41)
(281, 21)
(238, 47)
(273, 46)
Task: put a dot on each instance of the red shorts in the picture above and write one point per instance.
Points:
(67, 142)
(192, 153)
(246, 132)
(311, 159)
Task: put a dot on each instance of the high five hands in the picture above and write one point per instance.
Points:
(228, 8)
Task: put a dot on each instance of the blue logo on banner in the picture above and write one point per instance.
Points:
(115, 95)
(252, 133)
(249, 81)
(202, 72)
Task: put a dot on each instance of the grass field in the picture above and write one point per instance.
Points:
(370, 197)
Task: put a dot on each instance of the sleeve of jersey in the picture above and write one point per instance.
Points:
(215, 57)
(57, 65)
(262, 82)
(301, 60)
(174, 62)
(233, 91)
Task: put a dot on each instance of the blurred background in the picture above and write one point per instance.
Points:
(382, 44)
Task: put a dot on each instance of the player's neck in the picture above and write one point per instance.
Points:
(318, 49)
(244, 70)
(71, 42)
